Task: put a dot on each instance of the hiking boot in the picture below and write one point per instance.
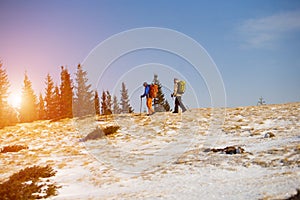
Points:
(151, 114)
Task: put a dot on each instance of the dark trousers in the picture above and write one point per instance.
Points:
(178, 102)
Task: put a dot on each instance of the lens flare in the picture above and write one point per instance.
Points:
(14, 99)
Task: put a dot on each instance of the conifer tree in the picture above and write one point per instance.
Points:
(41, 109)
(166, 106)
(160, 103)
(56, 103)
(116, 108)
(50, 107)
(66, 94)
(83, 101)
(130, 109)
(4, 85)
(28, 110)
(7, 113)
(108, 101)
(261, 101)
(103, 103)
(125, 105)
(97, 103)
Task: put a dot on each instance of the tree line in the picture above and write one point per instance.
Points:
(67, 100)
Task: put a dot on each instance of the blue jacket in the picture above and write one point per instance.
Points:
(147, 90)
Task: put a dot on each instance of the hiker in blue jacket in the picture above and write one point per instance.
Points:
(148, 98)
(177, 95)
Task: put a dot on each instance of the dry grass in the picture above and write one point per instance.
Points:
(13, 148)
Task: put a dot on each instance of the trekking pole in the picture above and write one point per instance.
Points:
(141, 106)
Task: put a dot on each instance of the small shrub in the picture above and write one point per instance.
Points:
(228, 150)
(99, 133)
(25, 184)
(111, 130)
(13, 148)
(269, 135)
(95, 134)
(33, 173)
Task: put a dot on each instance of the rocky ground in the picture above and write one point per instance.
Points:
(166, 156)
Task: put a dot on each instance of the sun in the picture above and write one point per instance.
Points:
(14, 99)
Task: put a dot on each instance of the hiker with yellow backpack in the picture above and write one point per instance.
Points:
(179, 89)
(150, 93)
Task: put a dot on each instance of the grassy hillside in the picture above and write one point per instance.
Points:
(164, 155)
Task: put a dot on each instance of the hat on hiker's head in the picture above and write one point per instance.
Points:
(145, 83)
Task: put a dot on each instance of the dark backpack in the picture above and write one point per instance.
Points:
(153, 90)
(181, 87)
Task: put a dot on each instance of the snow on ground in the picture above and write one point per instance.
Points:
(164, 156)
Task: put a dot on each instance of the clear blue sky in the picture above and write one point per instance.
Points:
(255, 44)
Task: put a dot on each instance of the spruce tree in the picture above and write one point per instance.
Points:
(97, 103)
(41, 108)
(103, 103)
(116, 107)
(83, 101)
(28, 110)
(125, 105)
(261, 101)
(108, 101)
(130, 109)
(167, 106)
(66, 94)
(4, 85)
(57, 104)
(50, 107)
(7, 113)
(160, 103)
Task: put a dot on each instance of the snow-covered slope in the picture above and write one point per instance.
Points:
(165, 156)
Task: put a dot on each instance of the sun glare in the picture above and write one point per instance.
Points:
(14, 99)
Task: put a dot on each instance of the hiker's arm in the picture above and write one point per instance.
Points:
(146, 91)
(175, 89)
